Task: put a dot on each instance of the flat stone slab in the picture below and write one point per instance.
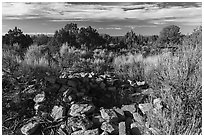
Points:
(78, 109)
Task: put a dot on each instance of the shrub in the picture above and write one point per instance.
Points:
(69, 56)
(182, 73)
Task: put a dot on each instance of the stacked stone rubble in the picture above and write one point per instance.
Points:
(86, 104)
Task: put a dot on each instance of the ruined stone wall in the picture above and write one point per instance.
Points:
(87, 104)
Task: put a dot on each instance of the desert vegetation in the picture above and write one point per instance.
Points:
(169, 66)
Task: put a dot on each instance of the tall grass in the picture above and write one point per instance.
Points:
(177, 80)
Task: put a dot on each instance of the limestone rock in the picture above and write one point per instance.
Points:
(109, 115)
(122, 128)
(78, 109)
(57, 112)
(30, 128)
(109, 127)
(86, 132)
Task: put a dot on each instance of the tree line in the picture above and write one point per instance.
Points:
(89, 38)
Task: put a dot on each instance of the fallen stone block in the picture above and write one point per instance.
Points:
(122, 128)
(78, 109)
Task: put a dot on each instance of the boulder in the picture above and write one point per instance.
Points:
(57, 112)
(109, 127)
(145, 108)
(109, 115)
(79, 122)
(78, 109)
(122, 128)
(30, 128)
(86, 132)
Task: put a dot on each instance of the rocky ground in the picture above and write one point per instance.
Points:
(87, 104)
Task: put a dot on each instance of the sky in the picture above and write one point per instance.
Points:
(113, 18)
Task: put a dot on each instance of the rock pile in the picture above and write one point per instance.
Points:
(86, 104)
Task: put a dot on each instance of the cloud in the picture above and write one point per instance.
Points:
(110, 28)
(154, 13)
